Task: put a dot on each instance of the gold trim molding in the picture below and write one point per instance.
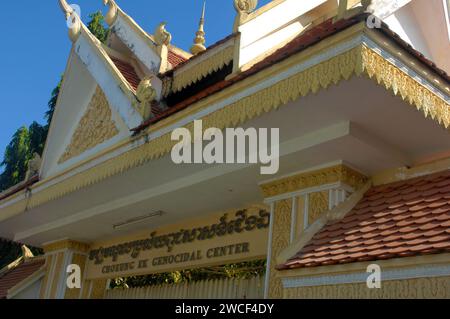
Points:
(358, 61)
(430, 288)
(215, 62)
(404, 86)
(329, 175)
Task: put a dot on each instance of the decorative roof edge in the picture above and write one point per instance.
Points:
(191, 74)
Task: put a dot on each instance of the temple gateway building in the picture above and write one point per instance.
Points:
(359, 206)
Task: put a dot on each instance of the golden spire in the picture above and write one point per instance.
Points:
(199, 41)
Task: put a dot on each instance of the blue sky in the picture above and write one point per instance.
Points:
(35, 46)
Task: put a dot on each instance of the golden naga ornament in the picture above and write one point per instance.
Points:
(245, 6)
(145, 94)
(162, 36)
(112, 13)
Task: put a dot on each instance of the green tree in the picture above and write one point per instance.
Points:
(97, 26)
(52, 103)
(16, 159)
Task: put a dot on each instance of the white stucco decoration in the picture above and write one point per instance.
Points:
(137, 44)
(272, 27)
(100, 71)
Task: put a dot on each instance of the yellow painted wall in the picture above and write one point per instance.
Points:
(437, 287)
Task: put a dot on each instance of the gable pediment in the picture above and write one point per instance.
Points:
(85, 122)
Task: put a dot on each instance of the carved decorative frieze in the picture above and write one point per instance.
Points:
(435, 288)
(318, 203)
(95, 127)
(213, 63)
(334, 174)
(280, 240)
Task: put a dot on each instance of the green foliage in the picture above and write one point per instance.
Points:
(25, 142)
(52, 103)
(97, 26)
(16, 158)
(243, 270)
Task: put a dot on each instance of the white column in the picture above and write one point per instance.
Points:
(293, 219)
(306, 212)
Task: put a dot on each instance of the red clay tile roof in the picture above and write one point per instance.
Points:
(128, 72)
(175, 59)
(18, 274)
(402, 219)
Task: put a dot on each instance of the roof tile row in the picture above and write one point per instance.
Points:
(401, 219)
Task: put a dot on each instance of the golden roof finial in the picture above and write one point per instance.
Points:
(199, 41)
(162, 36)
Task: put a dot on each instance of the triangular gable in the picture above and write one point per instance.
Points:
(85, 122)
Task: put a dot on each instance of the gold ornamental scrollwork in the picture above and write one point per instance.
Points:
(334, 174)
(95, 127)
(215, 62)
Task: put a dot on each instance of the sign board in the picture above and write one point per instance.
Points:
(218, 239)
